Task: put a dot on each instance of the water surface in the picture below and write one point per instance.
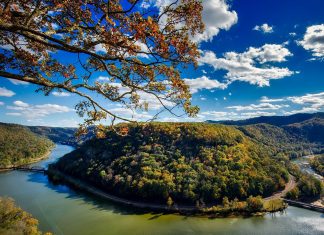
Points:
(62, 210)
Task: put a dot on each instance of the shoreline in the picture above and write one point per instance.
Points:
(34, 160)
(60, 177)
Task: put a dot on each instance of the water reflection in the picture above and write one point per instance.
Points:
(63, 210)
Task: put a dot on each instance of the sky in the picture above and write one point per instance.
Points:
(258, 58)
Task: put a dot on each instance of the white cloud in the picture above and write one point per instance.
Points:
(146, 4)
(21, 104)
(61, 94)
(303, 110)
(103, 79)
(219, 115)
(293, 34)
(5, 92)
(250, 66)
(265, 99)
(265, 28)
(314, 101)
(13, 114)
(36, 111)
(257, 107)
(256, 114)
(17, 82)
(203, 98)
(216, 15)
(314, 40)
(203, 82)
(1, 103)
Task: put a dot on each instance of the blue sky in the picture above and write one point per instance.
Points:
(258, 58)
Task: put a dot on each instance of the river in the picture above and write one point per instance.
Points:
(62, 210)
(303, 163)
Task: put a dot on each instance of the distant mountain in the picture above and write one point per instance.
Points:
(312, 129)
(273, 120)
(309, 127)
(61, 135)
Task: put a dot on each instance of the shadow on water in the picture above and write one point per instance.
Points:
(96, 202)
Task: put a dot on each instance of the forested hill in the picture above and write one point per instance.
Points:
(61, 135)
(273, 120)
(184, 162)
(18, 145)
(308, 127)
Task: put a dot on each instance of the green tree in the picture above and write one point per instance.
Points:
(254, 204)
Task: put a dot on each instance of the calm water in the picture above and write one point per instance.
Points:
(64, 211)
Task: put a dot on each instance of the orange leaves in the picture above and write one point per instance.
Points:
(140, 52)
(123, 131)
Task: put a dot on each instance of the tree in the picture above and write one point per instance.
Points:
(293, 194)
(13, 220)
(169, 201)
(254, 204)
(139, 51)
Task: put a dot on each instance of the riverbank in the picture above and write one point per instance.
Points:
(214, 211)
(32, 161)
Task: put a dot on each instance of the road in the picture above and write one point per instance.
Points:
(289, 186)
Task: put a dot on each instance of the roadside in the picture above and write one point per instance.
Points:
(289, 186)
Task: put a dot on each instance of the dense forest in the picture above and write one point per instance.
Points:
(13, 220)
(273, 120)
(295, 135)
(18, 145)
(178, 162)
(278, 141)
(317, 164)
(307, 188)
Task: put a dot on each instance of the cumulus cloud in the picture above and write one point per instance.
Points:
(21, 104)
(221, 115)
(61, 94)
(5, 92)
(216, 16)
(314, 40)
(302, 110)
(13, 114)
(265, 28)
(256, 114)
(17, 82)
(35, 111)
(315, 102)
(265, 99)
(251, 66)
(258, 107)
(203, 82)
